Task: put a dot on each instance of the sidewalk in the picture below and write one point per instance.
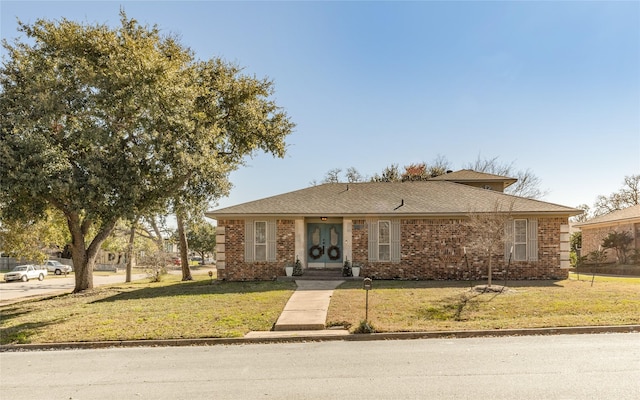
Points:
(305, 313)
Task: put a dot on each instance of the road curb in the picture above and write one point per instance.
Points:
(324, 338)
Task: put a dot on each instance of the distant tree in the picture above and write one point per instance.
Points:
(575, 243)
(627, 196)
(106, 124)
(528, 184)
(117, 242)
(585, 216)
(619, 241)
(415, 172)
(33, 240)
(140, 240)
(332, 176)
(353, 175)
(389, 174)
(424, 171)
(439, 166)
(155, 229)
(201, 236)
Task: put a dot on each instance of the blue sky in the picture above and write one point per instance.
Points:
(550, 86)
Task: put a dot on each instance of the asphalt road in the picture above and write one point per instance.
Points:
(52, 284)
(605, 366)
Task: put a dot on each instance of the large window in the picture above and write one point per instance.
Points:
(260, 241)
(520, 240)
(384, 240)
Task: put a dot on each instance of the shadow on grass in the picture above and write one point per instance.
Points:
(196, 288)
(11, 313)
(452, 308)
(22, 333)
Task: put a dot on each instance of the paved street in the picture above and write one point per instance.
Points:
(11, 291)
(52, 284)
(605, 366)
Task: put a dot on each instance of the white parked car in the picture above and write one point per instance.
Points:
(25, 272)
(57, 267)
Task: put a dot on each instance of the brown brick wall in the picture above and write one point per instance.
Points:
(592, 238)
(236, 269)
(431, 249)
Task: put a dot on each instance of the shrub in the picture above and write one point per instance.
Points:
(365, 327)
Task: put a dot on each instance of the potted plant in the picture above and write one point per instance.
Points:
(355, 270)
(289, 269)
(346, 269)
(297, 268)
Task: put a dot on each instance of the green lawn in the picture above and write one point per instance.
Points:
(199, 309)
(140, 310)
(403, 306)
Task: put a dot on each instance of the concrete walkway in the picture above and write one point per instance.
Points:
(306, 311)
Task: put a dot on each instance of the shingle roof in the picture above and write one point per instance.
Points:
(632, 212)
(468, 175)
(426, 198)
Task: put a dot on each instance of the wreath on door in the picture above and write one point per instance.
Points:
(333, 252)
(315, 252)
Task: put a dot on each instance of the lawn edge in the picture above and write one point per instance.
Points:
(295, 338)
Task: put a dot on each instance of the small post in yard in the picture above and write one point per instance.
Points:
(506, 275)
(367, 283)
(211, 277)
(468, 269)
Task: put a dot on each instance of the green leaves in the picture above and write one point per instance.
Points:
(108, 123)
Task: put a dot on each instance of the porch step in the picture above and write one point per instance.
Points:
(320, 274)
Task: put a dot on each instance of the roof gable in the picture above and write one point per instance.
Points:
(471, 176)
(423, 198)
(628, 213)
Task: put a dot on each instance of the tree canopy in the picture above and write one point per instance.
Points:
(627, 196)
(107, 123)
(201, 236)
(527, 185)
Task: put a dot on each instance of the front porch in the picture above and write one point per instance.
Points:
(320, 274)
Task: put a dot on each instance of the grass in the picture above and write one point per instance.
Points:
(173, 309)
(165, 310)
(405, 306)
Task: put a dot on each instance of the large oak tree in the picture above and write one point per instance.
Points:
(108, 123)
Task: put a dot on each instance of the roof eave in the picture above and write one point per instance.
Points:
(220, 216)
(605, 223)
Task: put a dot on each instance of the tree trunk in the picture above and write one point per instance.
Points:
(131, 254)
(490, 268)
(184, 250)
(84, 258)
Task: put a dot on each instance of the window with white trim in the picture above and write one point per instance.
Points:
(520, 240)
(260, 241)
(384, 240)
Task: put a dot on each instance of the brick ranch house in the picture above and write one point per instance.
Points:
(596, 229)
(408, 230)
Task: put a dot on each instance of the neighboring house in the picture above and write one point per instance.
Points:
(596, 229)
(409, 230)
